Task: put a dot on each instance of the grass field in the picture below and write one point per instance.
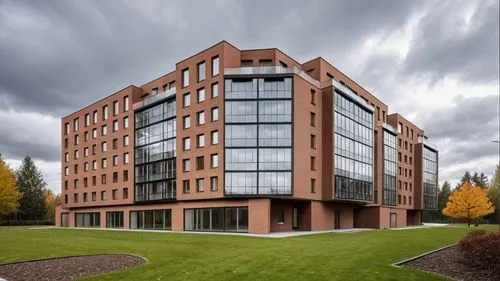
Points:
(175, 256)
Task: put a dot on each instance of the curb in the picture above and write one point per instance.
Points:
(400, 263)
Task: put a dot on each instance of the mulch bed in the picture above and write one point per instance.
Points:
(69, 268)
(448, 262)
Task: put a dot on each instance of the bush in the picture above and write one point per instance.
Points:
(25, 222)
(480, 249)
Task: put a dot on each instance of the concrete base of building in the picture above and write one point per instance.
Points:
(260, 215)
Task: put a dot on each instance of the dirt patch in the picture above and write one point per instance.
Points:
(69, 268)
(448, 262)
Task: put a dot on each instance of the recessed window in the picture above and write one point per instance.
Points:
(214, 183)
(185, 77)
(313, 185)
(214, 160)
(313, 163)
(215, 90)
(200, 185)
(116, 108)
(103, 179)
(85, 197)
(66, 171)
(186, 143)
(201, 71)
(154, 92)
(185, 186)
(215, 66)
(75, 124)
(126, 158)
(86, 136)
(125, 103)
(104, 147)
(214, 137)
(94, 118)
(200, 163)
(200, 118)
(115, 177)
(186, 100)
(66, 157)
(94, 196)
(201, 140)
(215, 114)
(125, 175)
(94, 165)
(201, 95)
(87, 120)
(186, 122)
(281, 216)
(313, 97)
(94, 133)
(125, 141)
(186, 165)
(114, 194)
(115, 125)
(104, 163)
(104, 130)
(105, 112)
(77, 140)
(86, 152)
(103, 195)
(246, 63)
(125, 122)
(125, 193)
(76, 154)
(313, 119)
(66, 129)
(313, 141)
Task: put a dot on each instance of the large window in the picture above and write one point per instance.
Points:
(151, 219)
(88, 219)
(353, 150)
(258, 136)
(390, 164)
(430, 178)
(155, 152)
(114, 219)
(231, 219)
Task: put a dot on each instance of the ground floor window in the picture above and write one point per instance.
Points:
(233, 219)
(151, 219)
(88, 219)
(114, 219)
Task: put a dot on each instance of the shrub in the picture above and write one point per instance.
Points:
(480, 249)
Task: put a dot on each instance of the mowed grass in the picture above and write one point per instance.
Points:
(176, 256)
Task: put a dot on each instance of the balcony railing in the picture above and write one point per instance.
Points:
(152, 99)
(352, 95)
(275, 69)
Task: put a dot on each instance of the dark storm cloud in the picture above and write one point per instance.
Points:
(448, 43)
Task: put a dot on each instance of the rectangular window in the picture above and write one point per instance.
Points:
(77, 140)
(214, 137)
(94, 196)
(114, 194)
(186, 100)
(103, 195)
(104, 130)
(104, 147)
(105, 112)
(125, 103)
(88, 219)
(125, 141)
(200, 140)
(201, 95)
(281, 216)
(115, 125)
(94, 133)
(185, 77)
(115, 177)
(125, 175)
(66, 129)
(186, 165)
(86, 136)
(200, 163)
(215, 114)
(200, 118)
(104, 163)
(214, 184)
(313, 163)
(126, 158)
(214, 160)
(94, 165)
(94, 118)
(201, 71)
(313, 185)
(230, 219)
(313, 141)
(185, 186)
(116, 108)
(87, 120)
(215, 90)
(154, 92)
(125, 193)
(186, 143)
(125, 122)
(200, 185)
(151, 219)
(313, 119)
(186, 122)
(313, 97)
(75, 197)
(215, 66)
(75, 124)
(114, 219)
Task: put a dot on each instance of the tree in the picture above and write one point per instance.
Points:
(30, 182)
(480, 180)
(465, 178)
(9, 194)
(443, 196)
(494, 192)
(468, 202)
(51, 201)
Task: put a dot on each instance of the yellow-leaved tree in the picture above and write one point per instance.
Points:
(468, 202)
(9, 194)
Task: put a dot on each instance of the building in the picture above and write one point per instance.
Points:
(245, 141)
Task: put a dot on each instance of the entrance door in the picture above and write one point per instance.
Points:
(64, 220)
(394, 219)
(295, 218)
(336, 219)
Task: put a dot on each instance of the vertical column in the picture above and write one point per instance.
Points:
(259, 216)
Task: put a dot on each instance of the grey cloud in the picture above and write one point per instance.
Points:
(446, 44)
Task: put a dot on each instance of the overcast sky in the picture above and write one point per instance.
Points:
(435, 62)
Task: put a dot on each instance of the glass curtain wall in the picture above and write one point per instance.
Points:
(114, 219)
(390, 167)
(88, 219)
(155, 152)
(430, 178)
(151, 219)
(353, 150)
(231, 219)
(258, 136)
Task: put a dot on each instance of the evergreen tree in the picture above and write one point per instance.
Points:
(465, 178)
(443, 196)
(480, 180)
(31, 184)
(494, 193)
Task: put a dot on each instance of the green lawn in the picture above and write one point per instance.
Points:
(175, 256)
